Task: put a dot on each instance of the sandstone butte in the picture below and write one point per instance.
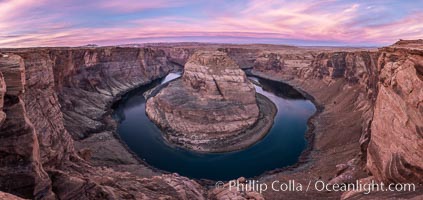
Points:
(213, 107)
(57, 138)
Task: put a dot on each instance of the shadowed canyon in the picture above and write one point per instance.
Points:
(59, 138)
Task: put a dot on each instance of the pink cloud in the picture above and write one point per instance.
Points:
(136, 5)
(410, 27)
(21, 24)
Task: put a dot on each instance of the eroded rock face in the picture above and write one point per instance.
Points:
(395, 151)
(20, 163)
(213, 75)
(44, 110)
(212, 102)
(2, 93)
(226, 192)
(271, 61)
(9, 196)
(36, 150)
(88, 80)
(105, 183)
(51, 88)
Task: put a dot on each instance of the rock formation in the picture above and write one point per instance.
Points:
(20, 163)
(212, 108)
(395, 151)
(55, 99)
(9, 196)
(223, 192)
(52, 94)
(2, 93)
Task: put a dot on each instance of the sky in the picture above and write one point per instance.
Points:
(29, 23)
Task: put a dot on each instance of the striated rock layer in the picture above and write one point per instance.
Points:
(2, 93)
(342, 84)
(211, 108)
(57, 138)
(395, 150)
(9, 196)
(20, 163)
(55, 95)
(364, 129)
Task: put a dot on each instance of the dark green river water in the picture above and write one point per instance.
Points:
(281, 147)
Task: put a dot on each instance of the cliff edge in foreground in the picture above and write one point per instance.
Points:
(395, 151)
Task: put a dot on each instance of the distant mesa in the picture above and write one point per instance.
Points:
(90, 45)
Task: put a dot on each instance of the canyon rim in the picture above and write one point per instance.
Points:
(218, 100)
(58, 138)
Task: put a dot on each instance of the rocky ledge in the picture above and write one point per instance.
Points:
(213, 107)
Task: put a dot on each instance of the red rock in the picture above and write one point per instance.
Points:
(395, 151)
(2, 93)
(20, 163)
(211, 108)
(57, 95)
(7, 196)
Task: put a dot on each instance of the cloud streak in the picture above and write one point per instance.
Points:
(73, 23)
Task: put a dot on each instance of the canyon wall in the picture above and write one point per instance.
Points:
(88, 80)
(344, 81)
(2, 93)
(20, 162)
(53, 99)
(372, 117)
(55, 96)
(396, 149)
(343, 86)
(9, 196)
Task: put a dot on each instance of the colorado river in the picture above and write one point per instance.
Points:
(281, 147)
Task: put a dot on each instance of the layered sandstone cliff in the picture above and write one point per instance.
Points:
(88, 81)
(395, 151)
(341, 85)
(373, 97)
(49, 94)
(2, 93)
(370, 118)
(20, 162)
(9, 196)
(213, 107)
